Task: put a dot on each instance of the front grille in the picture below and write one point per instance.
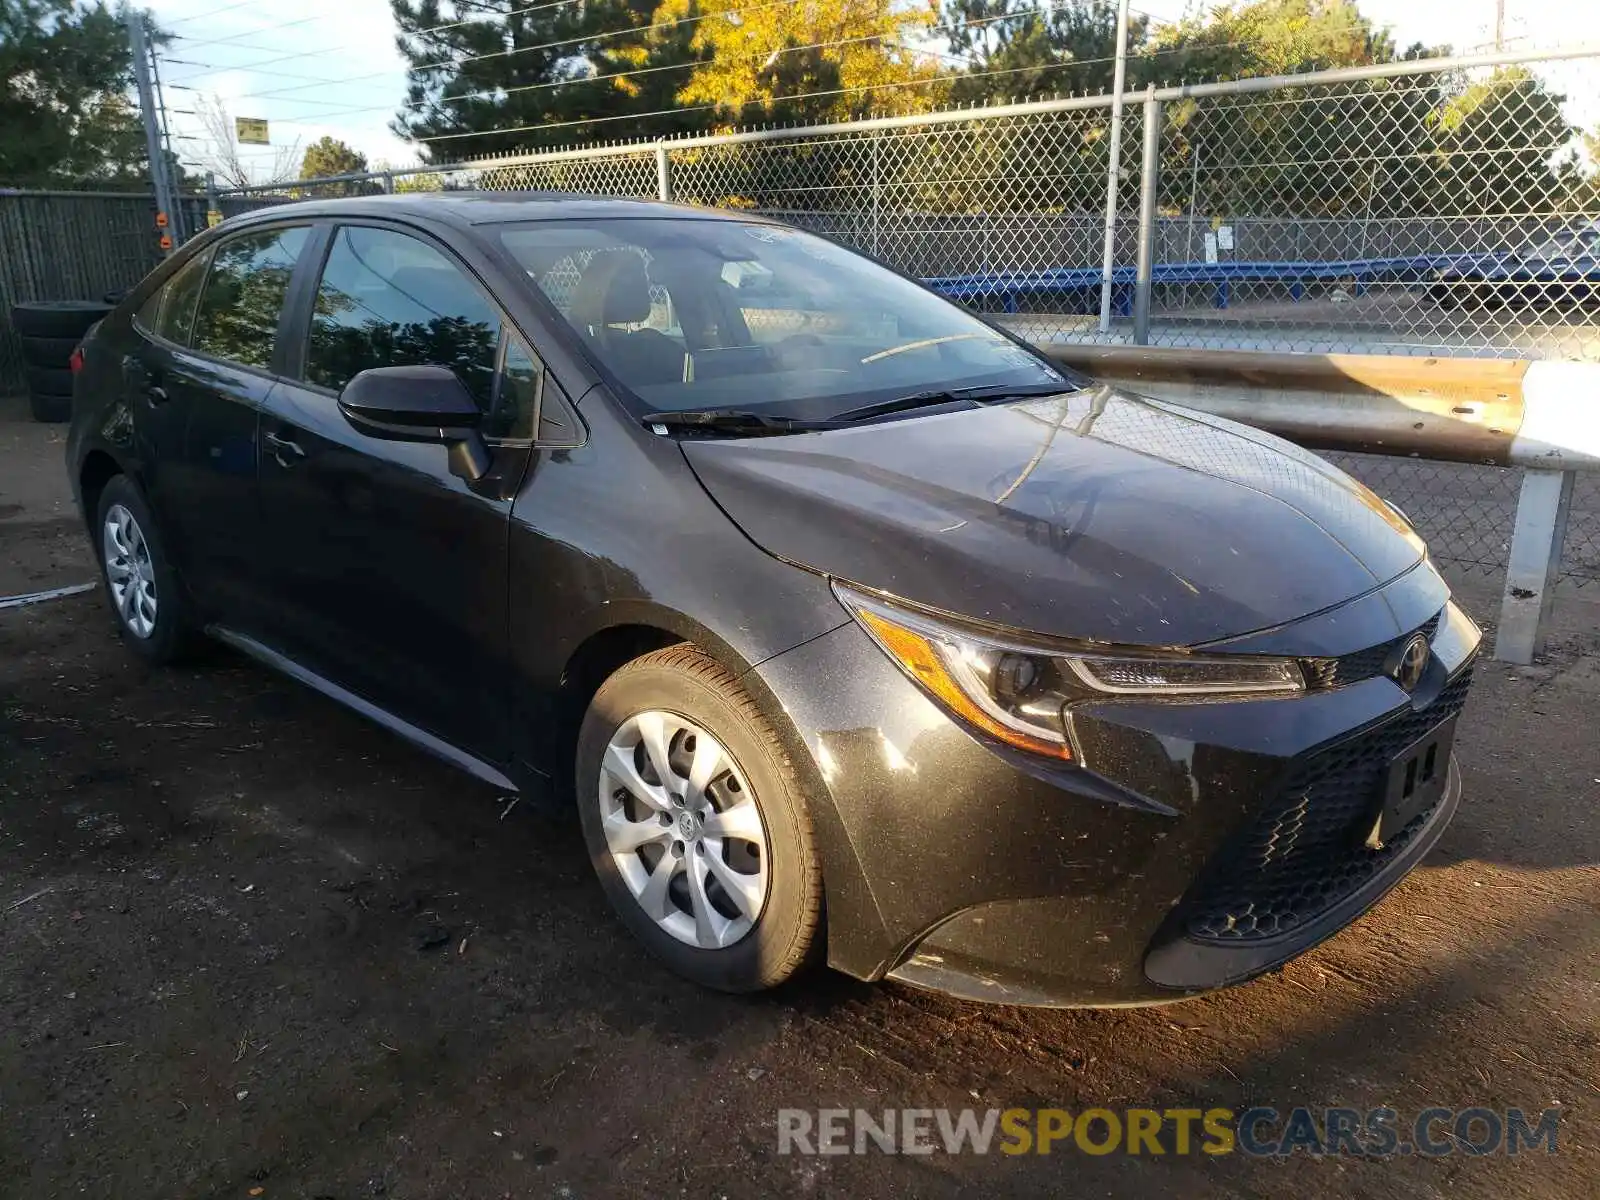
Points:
(1360, 664)
(1304, 852)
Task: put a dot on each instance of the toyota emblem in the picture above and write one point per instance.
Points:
(1411, 662)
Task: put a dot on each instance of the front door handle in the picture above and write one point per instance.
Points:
(284, 452)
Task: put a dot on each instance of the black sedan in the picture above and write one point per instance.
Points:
(1559, 273)
(853, 627)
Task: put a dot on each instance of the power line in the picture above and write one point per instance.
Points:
(240, 37)
(555, 45)
(215, 12)
(874, 87)
(975, 23)
(752, 56)
(419, 33)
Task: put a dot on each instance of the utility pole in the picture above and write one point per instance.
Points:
(1108, 256)
(179, 224)
(1499, 25)
(154, 148)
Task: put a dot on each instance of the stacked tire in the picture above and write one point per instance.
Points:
(50, 331)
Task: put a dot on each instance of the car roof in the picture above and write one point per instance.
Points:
(488, 208)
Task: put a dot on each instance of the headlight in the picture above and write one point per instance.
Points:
(1016, 690)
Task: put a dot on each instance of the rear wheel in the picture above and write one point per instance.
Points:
(143, 592)
(696, 824)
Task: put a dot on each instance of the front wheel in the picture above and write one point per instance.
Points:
(696, 824)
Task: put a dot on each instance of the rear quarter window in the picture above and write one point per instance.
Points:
(168, 312)
(244, 294)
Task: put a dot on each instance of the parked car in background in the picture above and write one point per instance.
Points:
(1561, 271)
(852, 626)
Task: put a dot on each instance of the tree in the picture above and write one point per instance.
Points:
(826, 60)
(223, 158)
(65, 113)
(1504, 149)
(1269, 37)
(498, 76)
(329, 156)
(1027, 49)
(1351, 150)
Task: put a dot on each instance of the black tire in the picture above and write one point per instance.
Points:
(50, 410)
(174, 635)
(50, 381)
(57, 318)
(48, 351)
(683, 681)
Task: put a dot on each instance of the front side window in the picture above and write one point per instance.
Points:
(387, 299)
(694, 313)
(244, 294)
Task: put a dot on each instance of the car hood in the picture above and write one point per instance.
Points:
(1094, 514)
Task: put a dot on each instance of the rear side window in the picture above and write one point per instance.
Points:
(244, 294)
(388, 299)
(169, 312)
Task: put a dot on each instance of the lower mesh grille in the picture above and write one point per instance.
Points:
(1303, 853)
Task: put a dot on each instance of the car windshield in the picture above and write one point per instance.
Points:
(693, 314)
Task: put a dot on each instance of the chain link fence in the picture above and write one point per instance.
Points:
(1466, 512)
(1446, 207)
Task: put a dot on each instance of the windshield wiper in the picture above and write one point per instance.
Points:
(935, 396)
(734, 421)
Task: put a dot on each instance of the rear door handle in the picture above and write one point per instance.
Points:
(284, 452)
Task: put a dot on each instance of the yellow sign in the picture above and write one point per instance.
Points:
(213, 218)
(251, 131)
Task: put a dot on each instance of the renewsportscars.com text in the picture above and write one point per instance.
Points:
(1260, 1132)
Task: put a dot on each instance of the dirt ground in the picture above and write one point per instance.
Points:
(251, 945)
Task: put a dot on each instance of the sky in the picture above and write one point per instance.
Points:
(315, 67)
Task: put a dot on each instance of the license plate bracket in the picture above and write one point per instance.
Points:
(1414, 783)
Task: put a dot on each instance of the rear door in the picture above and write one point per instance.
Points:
(388, 573)
(202, 375)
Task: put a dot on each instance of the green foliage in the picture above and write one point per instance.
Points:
(824, 60)
(329, 156)
(1417, 145)
(462, 82)
(66, 117)
(1039, 49)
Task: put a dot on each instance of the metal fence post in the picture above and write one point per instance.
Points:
(1534, 563)
(663, 173)
(1149, 183)
(213, 205)
(1108, 256)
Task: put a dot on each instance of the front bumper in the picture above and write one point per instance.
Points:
(1162, 867)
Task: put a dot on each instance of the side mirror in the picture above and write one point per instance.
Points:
(419, 404)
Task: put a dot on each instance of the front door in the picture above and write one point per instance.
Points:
(388, 573)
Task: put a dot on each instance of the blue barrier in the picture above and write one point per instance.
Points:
(1009, 286)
